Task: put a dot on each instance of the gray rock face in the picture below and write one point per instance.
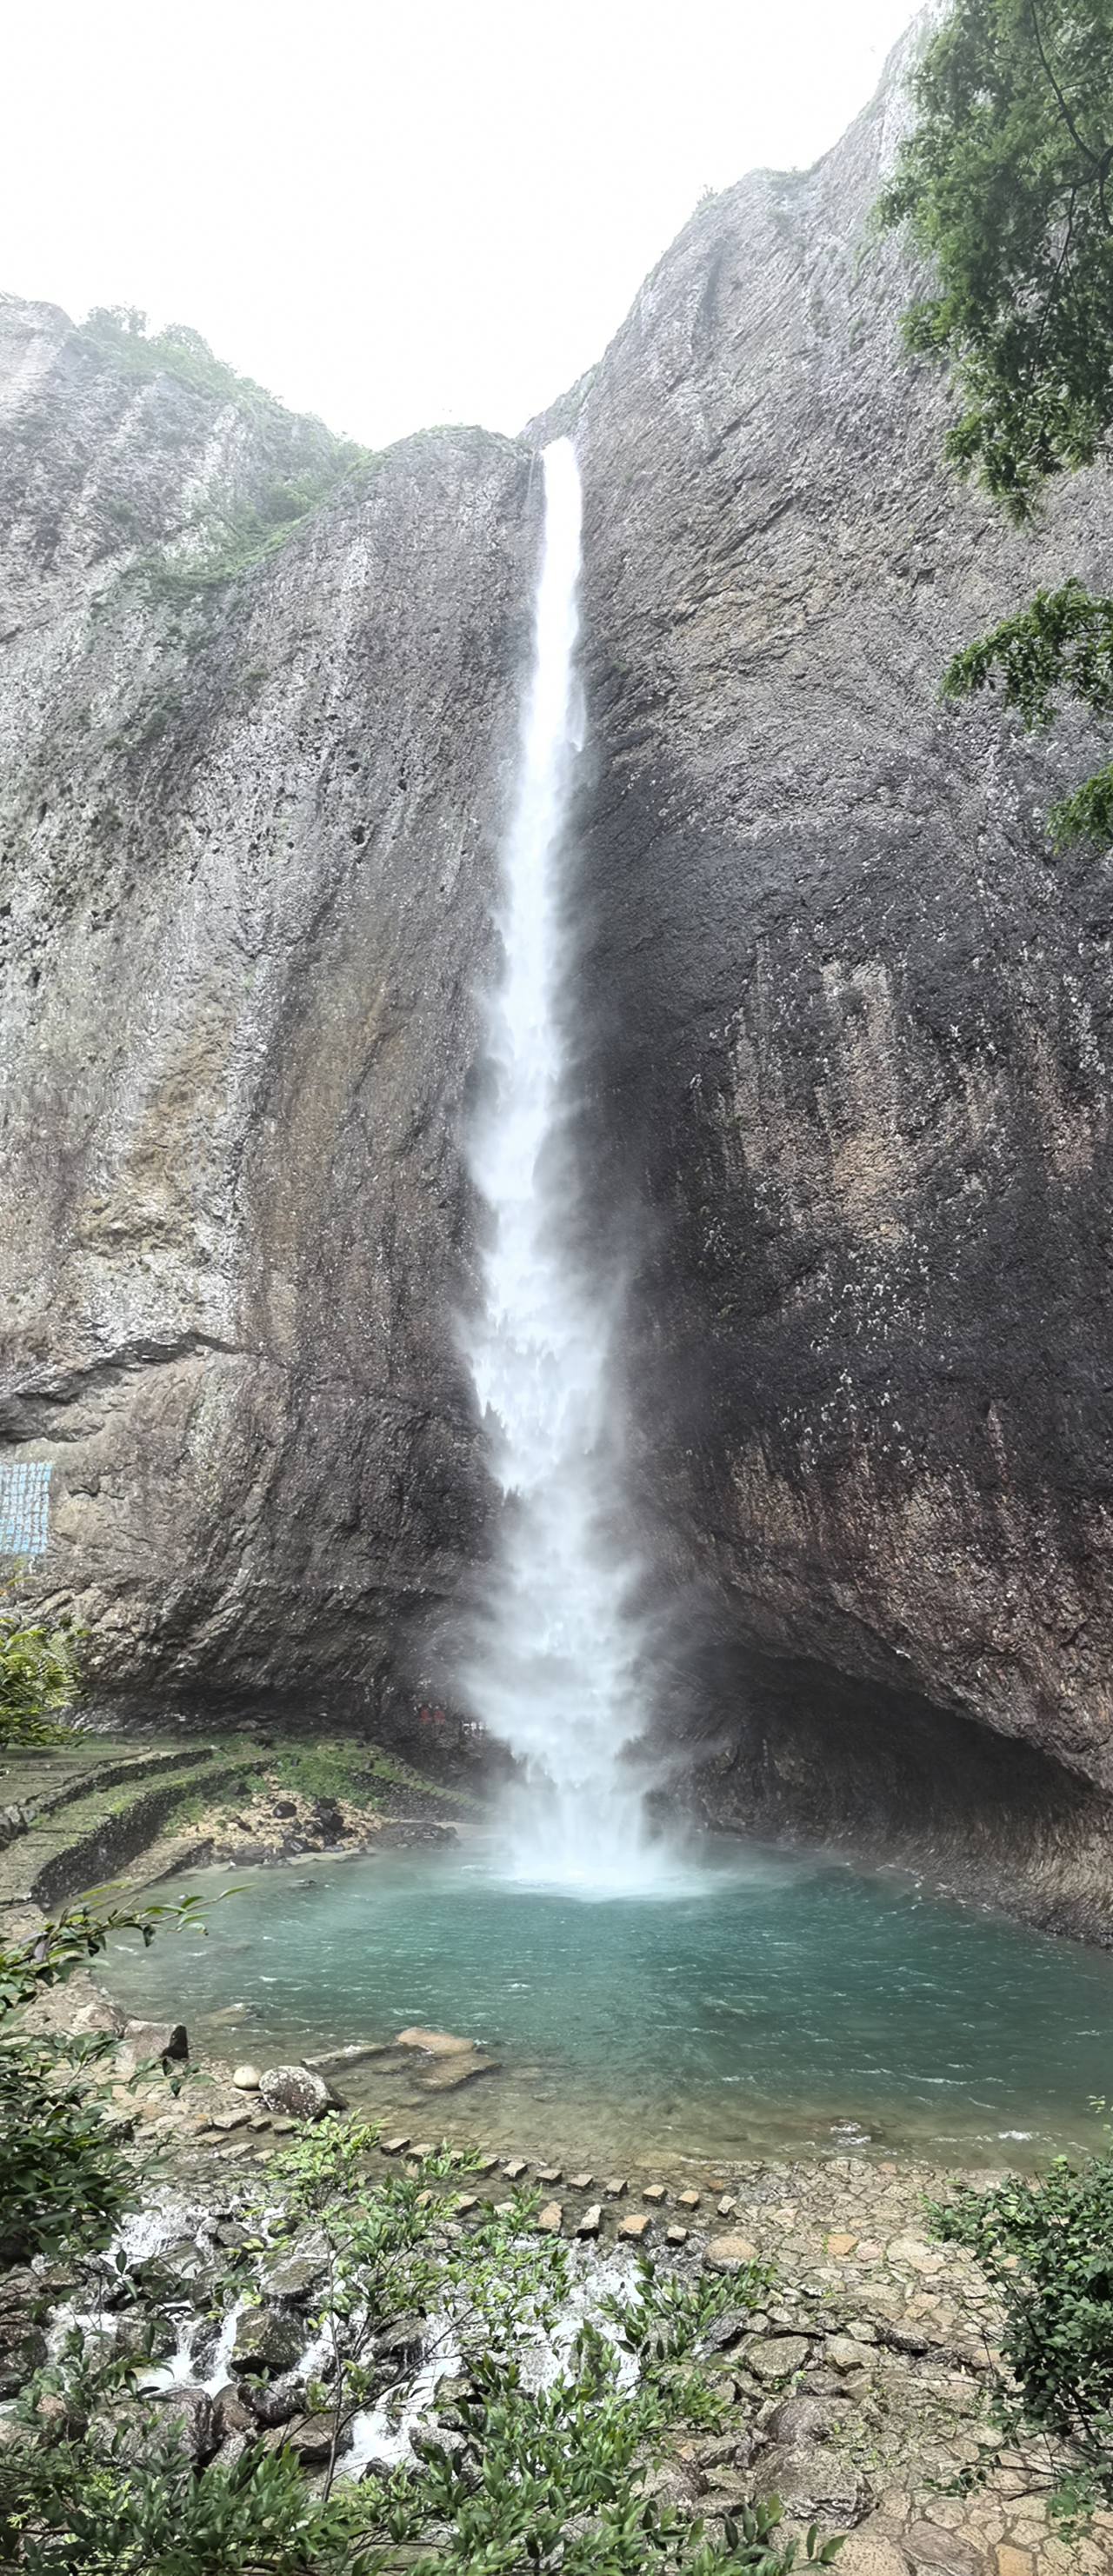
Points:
(847, 1031)
(247, 832)
(852, 1031)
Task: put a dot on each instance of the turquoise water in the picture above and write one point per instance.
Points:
(771, 2000)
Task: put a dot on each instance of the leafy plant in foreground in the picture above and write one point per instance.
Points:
(1047, 2246)
(62, 2179)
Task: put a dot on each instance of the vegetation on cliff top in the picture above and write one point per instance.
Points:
(302, 463)
(1007, 184)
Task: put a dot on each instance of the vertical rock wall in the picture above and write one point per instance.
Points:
(246, 841)
(852, 1021)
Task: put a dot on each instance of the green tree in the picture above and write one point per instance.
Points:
(1006, 183)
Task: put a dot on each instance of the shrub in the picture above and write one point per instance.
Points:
(38, 1678)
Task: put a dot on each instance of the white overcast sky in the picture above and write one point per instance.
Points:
(397, 212)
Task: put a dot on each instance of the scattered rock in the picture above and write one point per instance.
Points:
(548, 2174)
(773, 2358)
(550, 2220)
(676, 2235)
(514, 2168)
(724, 2253)
(655, 2192)
(637, 2226)
(615, 2188)
(166, 2040)
(591, 2222)
(246, 2078)
(296, 2090)
(394, 2146)
(579, 2182)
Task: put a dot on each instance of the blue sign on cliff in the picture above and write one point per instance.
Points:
(24, 1503)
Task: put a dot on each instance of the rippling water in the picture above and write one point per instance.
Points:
(769, 1999)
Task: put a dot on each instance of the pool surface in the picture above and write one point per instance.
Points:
(768, 2002)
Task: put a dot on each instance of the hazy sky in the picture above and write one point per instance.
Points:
(395, 212)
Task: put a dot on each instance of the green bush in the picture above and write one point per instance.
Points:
(1047, 2247)
(38, 1678)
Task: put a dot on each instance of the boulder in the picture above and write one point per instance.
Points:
(296, 2277)
(167, 2040)
(231, 2412)
(800, 2420)
(190, 2410)
(728, 2328)
(297, 2091)
(844, 2354)
(402, 2342)
(274, 2401)
(265, 2341)
(140, 2331)
(23, 2350)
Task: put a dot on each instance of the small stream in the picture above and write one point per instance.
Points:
(769, 2004)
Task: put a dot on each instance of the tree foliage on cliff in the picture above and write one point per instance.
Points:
(1006, 183)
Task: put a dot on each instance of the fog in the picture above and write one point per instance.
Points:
(396, 216)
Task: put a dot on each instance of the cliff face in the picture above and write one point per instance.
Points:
(847, 1030)
(247, 831)
(853, 1024)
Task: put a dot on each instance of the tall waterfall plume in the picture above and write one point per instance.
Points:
(553, 1670)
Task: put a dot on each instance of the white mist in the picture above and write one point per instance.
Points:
(553, 1668)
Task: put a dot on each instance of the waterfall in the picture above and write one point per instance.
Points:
(552, 1669)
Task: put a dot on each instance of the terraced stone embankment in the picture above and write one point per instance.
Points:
(73, 1815)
